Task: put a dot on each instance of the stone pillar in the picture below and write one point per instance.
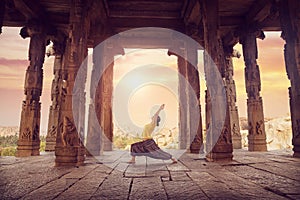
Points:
(256, 128)
(231, 101)
(207, 110)
(183, 119)
(55, 96)
(69, 150)
(195, 140)
(220, 147)
(182, 93)
(94, 135)
(290, 23)
(106, 90)
(29, 136)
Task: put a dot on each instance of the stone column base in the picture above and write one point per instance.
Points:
(107, 145)
(257, 143)
(69, 156)
(25, 148)
(220, 153)
(91, 152)
(50, 144)
(237, 142)
(196, 148)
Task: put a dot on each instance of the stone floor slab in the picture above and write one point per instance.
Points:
(251, 175)
(147, 188)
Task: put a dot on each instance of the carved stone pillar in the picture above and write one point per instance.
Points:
(56, 87)
(220, 147)
(29, 136)
(256, 128)
(196, 139)
(231, 101)
(290, 23)
(69, 150)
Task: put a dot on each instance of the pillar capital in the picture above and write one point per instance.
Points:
(250, 30)
(33, 27)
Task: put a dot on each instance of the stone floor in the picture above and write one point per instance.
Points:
(252, 175)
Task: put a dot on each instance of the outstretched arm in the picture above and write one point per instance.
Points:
(154, 118)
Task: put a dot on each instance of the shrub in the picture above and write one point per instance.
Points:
(8, 151)
(121, 142)
(42, 146)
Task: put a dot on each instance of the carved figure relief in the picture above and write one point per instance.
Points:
(26, 135)
(225, 135)
(259, 127)
(235, 130)
(52, 131)
(69, 134)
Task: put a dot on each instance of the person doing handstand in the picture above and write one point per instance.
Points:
(148, 147)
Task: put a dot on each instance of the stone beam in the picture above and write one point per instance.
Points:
(30, 9)
(145, 42)
(230, 22)
(258, 15)
(258, 11)
(116, 23)
(145, 4)
(145, 14)
(187, 10)
(33, 10)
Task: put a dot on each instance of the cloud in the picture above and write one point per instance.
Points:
(13, 62)
(12, 45)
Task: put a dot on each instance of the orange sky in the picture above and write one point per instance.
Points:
(13, 64)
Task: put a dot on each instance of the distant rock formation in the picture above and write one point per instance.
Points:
(278, 131)
(9, 130)
(14, 130)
